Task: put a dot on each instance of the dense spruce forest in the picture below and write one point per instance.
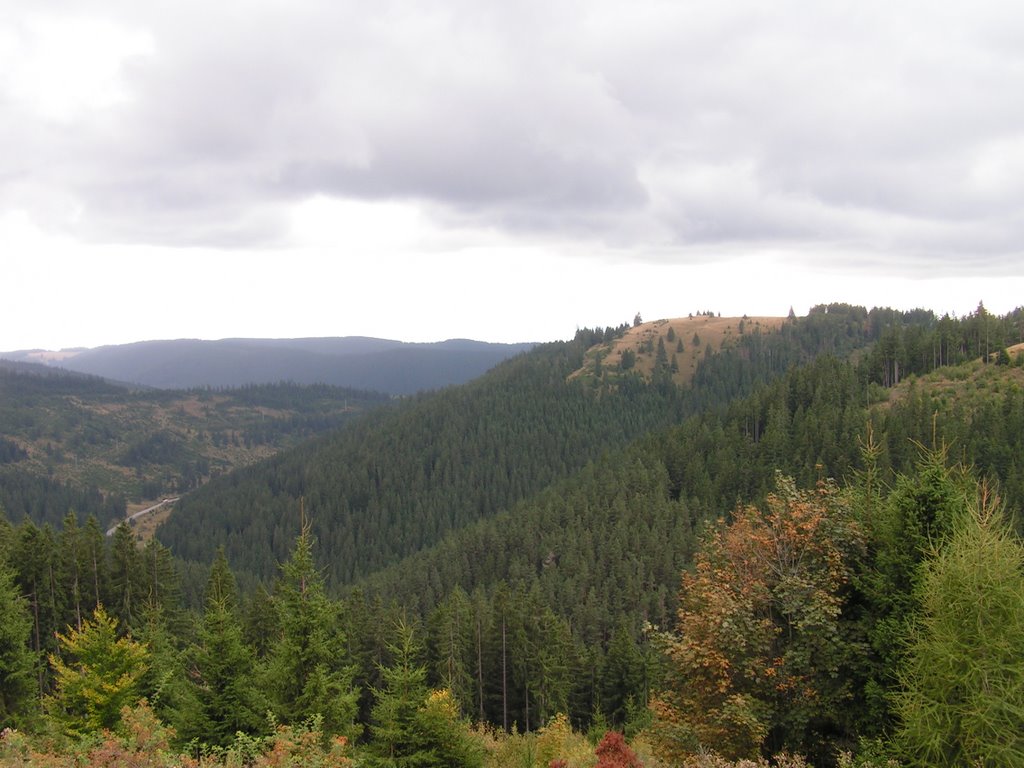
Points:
(811, 549)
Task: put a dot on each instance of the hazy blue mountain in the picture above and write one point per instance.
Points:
(358, 362)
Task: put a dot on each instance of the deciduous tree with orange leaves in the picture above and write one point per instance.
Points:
(756, 662)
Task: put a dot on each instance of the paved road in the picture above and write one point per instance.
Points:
(141, 512)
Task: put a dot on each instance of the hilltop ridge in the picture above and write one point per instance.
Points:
(357, 362)
(686, 342)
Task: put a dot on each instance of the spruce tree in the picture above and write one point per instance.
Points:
(395, 738)
(620, 675)
(17, 663)
(306, 672)
(126, 576)
(450, 641)
(411, 726)
(71, 562)
(908, 527)
(224, 699)
(164, 683)
(96, 572)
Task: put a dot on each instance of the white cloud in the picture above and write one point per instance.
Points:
(863, 139)
(59, 67)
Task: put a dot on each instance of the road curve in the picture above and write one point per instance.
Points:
(141, 512)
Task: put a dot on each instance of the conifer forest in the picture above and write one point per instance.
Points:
(796, 545)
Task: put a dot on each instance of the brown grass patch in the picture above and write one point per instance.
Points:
(691, 337)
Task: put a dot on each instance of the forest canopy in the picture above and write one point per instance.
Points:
(812, 550)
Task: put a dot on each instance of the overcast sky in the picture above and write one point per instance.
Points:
(506, 171)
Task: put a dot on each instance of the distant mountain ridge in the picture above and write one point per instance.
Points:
(359, 362)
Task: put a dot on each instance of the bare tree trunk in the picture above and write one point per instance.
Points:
(504, 678)
(480, 667)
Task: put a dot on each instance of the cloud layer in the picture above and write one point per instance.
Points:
(674, 130)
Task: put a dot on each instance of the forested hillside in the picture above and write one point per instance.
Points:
(398, 481)
(405, 475)
(603, 547)
(773, 559)
(70, 441)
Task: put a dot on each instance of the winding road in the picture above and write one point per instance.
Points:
(141, 512)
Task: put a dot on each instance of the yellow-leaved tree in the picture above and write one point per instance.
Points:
(96, 674)
(755, 663)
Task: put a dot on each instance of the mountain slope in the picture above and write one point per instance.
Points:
(672, 348)
(401, 479)
(406, 475)
(606, 546)
(71, 440)
(356, 362)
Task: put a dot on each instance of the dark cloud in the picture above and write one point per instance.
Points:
(891, 129)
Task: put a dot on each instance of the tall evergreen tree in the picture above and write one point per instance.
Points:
(224, 698)
(306, 671)
(395, 737)
(127, 592)
(163, 684)
(412, 727)
(450, 640)
(906, 527)
(33, 558)
(96, 573)
(621, 676)
(962, 683)
(17, 663)
(72, 569)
